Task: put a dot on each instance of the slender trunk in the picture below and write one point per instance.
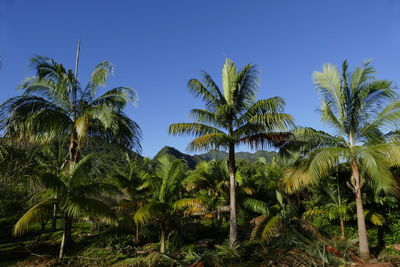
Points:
(43, 227)
(162, 243)
(74, 149)
(54, 218)
(342, 229)
(362, 229)
(232, 194)
(74, 152)
(381, 239)
(137, 232)
(67, 237)
(341, 219)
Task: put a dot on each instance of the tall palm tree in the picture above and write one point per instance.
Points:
(166, 187)
(359, 108)
(54, 105)
(233, 117)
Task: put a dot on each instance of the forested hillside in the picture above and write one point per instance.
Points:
(214, 155)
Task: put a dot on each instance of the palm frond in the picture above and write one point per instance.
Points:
(39, 213)
(116, 98)
(229, 78)
(209, 142)
(328, 82)
(98, 78)
(324, 159)
(149, 211)
(80, 205)
(81, 171)
(194, 129)
(247, 83)
(376, 167)
(199, 90)
(271, 228)
(256, 205)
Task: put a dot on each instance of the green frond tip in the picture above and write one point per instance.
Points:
(271, 228)
(256, 205)
(188, 203)
(149, 211)
(37, 214)
(194, 129)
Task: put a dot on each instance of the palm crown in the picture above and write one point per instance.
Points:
(232, 115)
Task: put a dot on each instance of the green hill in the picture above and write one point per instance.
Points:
(211, 155)
(176, 154)
(222, 155)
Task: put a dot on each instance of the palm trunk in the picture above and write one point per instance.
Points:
(137, 232)
(232, 194)
(67, 236)
(74, 150)
(74, 153)
(162, 242)
(54, 218)
(362, 229)
(342, 229)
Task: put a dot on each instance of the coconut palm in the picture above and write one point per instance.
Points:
(55, 106)
(233, 117)
(359, 108)
(165, 188)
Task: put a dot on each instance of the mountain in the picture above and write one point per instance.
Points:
(222, 155)
(174, 153)
(215, 154)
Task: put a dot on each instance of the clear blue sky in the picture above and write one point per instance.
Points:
(158, 45)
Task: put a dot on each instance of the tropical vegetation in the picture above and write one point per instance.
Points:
(75, 191)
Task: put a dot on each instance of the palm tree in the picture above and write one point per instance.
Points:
(334, 206)
(359, 108)
(166, 188)
(270, 218)
(54, 105)
(208, 183)
(130, 183)
(72, 190)
(233, 117)
(331, 204)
